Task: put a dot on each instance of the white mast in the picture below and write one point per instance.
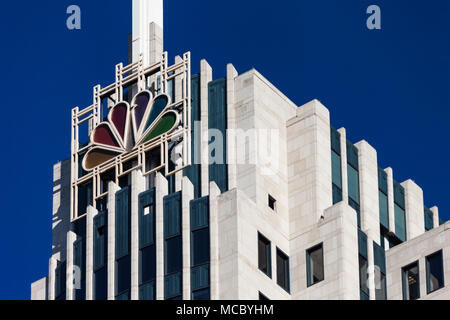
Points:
(147, 37)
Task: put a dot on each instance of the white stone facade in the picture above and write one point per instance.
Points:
(304, 214)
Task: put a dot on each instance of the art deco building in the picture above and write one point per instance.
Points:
(288, 208)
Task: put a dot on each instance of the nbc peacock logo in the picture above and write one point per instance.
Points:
(127, 127)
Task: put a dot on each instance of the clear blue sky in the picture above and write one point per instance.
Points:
(389, 87)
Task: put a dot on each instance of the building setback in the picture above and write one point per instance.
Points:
(290, 209)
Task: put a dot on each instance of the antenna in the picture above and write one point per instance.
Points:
(147, 36)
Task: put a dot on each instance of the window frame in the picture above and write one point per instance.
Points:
(262, 297)
(268, 247)
(405, 285)
(427, 266)
(272, 203)
(308, 264)
(286, 266)
(363, 287)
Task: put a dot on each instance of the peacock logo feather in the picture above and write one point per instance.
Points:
(128, 127)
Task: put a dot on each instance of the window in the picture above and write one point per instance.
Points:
(428, 215)
(147, 291)
(123, 276)
(283, 270)
(272, 203)
(383, 198)
(363, 277)
(399, 211)
(380, 289)
(410, 279)
(435, 272)
(147, 248)
(314, 265)
(148, 210)
(384, 209)
(336, 177)
(357, 208)
(264, 255)
(147, 259)
(363, 265)
(174, 255)
(60, 281)
(173, 286)
(99, 245)
(84, 198)
(262, 297)
(79, 257)
(100, 284)
(200, 247)
(122, 244)
(353, 179)
(202, 294)
(336, 169)
(400, 222)
(353, 183)
(173, 247)
(379, 259)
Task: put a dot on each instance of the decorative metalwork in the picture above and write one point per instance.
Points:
(151, 124)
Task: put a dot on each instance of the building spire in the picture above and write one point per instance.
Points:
(147, 37)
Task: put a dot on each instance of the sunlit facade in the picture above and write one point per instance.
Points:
(289, 209)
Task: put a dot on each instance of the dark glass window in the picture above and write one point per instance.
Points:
(123, 222)
(124, 296)
(428, 215)
(203, 294)
(400, 222)
(262, 297)
(379, 258)
(174, 255)
(336, 169)
(314, 265)
(272, 203)
(200, 249)
(353, 183)
(172, 223)
(283, 270)
(357, 208)
(264, 255)
(384, 208)
(200, 246)
(84, 198)
(173, 246)
(435, 272)
(380, 286)
(146, 219)
(363, 275)
(147, 291)
(410, 279)
(100, 237)
(336, 172)
(148, 264)
(100, 284)
(173, 286)
(337, 194)
(60, 281)
(123, 275)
